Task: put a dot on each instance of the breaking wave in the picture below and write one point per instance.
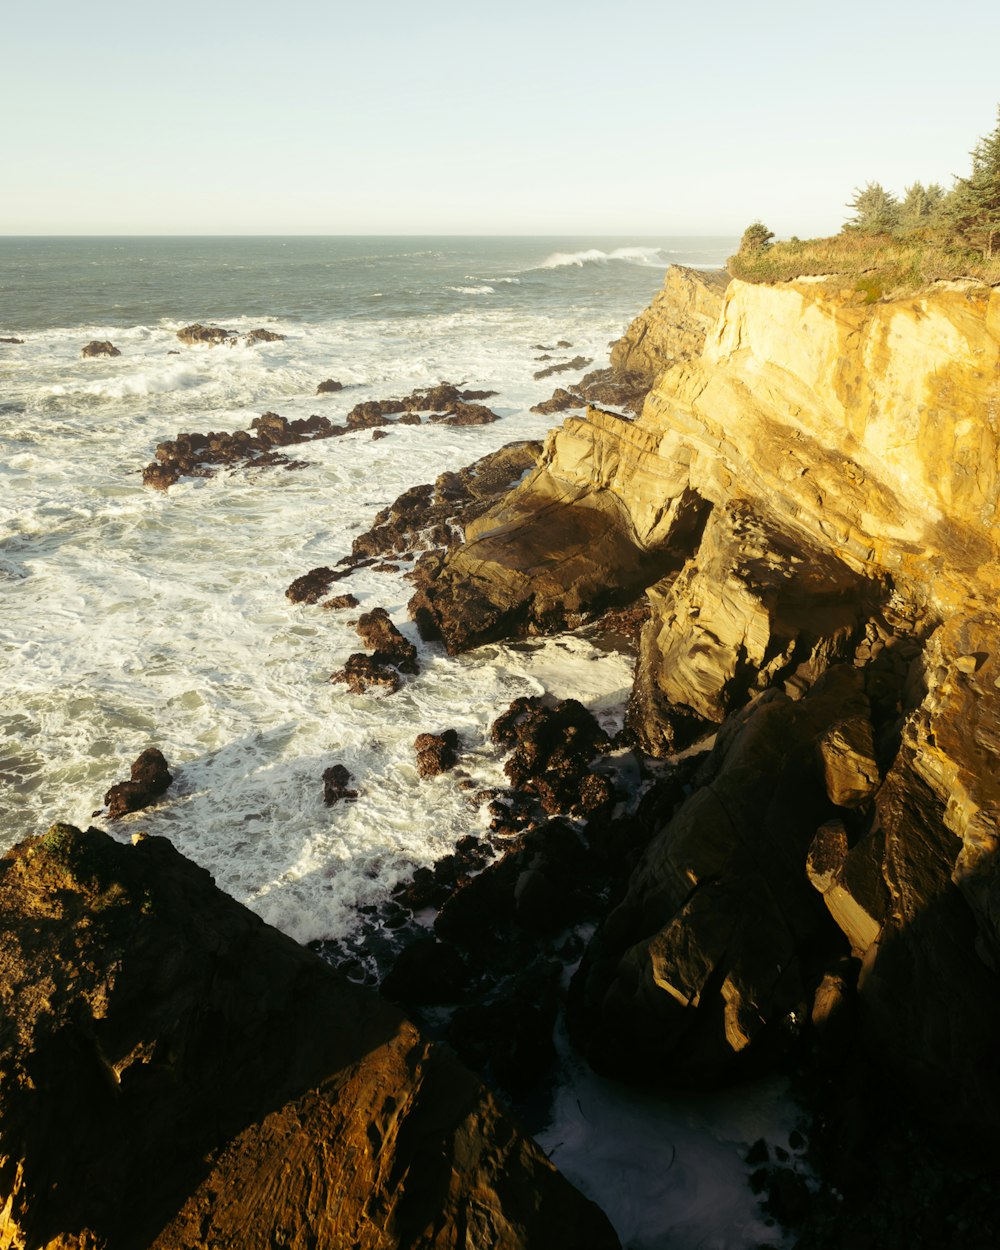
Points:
(594, 256)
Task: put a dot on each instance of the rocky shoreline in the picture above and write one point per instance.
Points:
(798, 532)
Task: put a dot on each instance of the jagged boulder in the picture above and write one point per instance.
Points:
(175, 1074)
(150, 778)
(436, 753)
(100, 348)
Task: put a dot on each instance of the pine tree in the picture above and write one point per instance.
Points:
(876, 211)
(921, 206)
(974, 205)
(756, 237)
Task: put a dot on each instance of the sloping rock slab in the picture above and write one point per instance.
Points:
(175, 1073)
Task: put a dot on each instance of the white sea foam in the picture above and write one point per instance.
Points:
(482, 289)
(133, 617)
(594, 256)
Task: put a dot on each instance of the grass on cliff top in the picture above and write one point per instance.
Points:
(880, 266)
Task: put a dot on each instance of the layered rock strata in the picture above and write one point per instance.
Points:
(674, 326)
(177, 1074)
(815, 493)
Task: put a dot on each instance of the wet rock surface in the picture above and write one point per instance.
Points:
(100, 348)
(329, 387)
(565, 366)
(376, 630)
(202, 455)
(362, 673)
(436, 753)
(196, 333)
(150, 778)
(176, 1074)
(432, 516)
(336, 785)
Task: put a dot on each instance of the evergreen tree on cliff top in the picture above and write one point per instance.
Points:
(974, 205)
(876, 210)
(921, 206)
(756, 237)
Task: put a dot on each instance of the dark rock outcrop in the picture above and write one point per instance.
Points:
(175, 1075)
(552, 747)
(335, 785)
(703, 970)
(436, 753)
(212, 335)
(100, 348)
(428, 516)
(10, 339)
(566, 366)
(362, 673)
(200, 455)
(329, 387)
(337, 603)
(262, 335)
(376, 630)
(149, 780)
(445, 403)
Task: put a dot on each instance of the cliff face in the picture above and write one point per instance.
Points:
(674, 326)
(816, 492)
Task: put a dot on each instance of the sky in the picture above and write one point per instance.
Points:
(448, 117)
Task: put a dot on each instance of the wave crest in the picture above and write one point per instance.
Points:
(594, 256)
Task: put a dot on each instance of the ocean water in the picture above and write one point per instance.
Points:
(135, 618)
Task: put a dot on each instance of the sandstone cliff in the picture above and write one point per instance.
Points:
(816, 493)
(174, 1073)
(674, 326)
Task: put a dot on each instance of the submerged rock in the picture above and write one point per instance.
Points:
(174, 1073)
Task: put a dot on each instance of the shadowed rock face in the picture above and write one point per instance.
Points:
(719, 940)
(177, 1074)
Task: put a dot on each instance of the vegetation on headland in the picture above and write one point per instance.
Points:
(891, 247)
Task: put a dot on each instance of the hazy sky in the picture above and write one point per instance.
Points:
(440, 116)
